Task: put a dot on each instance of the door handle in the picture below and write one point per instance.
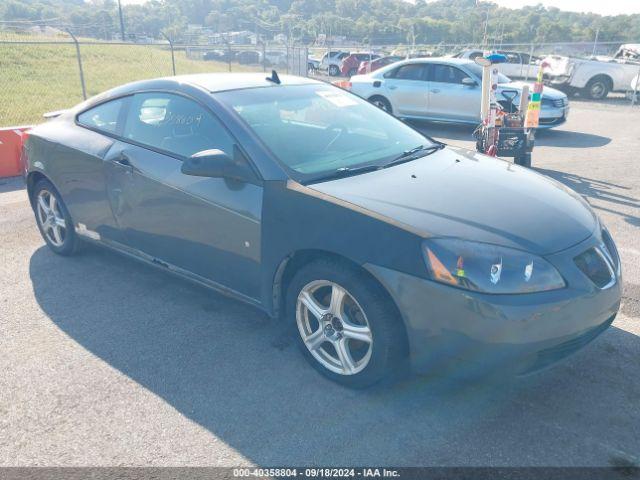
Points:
(435, 90)
(123, 160)
(392, 87)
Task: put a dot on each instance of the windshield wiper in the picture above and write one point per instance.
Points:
(413, 153)
(347, 172)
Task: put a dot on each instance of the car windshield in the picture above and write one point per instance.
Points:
(477, 71)
(314, 130)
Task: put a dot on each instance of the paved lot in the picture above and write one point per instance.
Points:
(108, 362)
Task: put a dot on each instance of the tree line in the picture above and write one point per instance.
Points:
(373, 21)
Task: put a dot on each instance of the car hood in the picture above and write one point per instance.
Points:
(459, 193)
(547, 92)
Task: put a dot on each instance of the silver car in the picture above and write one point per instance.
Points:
(446, 89)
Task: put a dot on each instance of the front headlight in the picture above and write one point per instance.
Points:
(487, 268)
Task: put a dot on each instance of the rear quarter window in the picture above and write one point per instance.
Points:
(104, 117)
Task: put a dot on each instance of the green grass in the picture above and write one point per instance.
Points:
(35, 79)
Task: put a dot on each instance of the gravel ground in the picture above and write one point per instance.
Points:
(109, 362)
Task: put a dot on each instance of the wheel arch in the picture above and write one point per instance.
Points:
(296, 260)
(605, 76)
(372, 98)
(33, 178)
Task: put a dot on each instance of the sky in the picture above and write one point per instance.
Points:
(603, 7)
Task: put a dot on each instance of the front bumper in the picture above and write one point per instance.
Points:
(557, 80)
(553, 116)
(453, 328)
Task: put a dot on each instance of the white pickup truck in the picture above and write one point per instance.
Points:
(594, 78)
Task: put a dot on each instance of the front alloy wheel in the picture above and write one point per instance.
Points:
(345, 323)
(333, 327)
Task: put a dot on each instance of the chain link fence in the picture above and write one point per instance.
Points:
(50, 69)
(48, 72)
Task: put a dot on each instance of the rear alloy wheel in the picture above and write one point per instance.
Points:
(382, 103)
(346, 325)
(53, 219)
(334, 71)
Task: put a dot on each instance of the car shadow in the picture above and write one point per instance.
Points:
(568, 139)
(235, 372)
(600, 194)
(547, 138)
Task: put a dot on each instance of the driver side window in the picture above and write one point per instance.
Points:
(447, 74)
(174, 124)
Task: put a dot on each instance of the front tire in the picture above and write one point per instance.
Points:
(334, 71)
(345, 324)
(598, 88)
(53, 219)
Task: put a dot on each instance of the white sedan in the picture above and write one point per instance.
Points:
(447, 90)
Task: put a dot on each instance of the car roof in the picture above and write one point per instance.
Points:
(210, 82)
(218, 82)
(447, 60)
(441, 60)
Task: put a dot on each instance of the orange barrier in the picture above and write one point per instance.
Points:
(10, 150)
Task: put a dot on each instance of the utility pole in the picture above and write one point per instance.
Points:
(121, 21)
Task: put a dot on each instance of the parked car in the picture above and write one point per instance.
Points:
(447, 90)
(367, 67)
(313, 65)
(218, 55)
(331, 60)
(518, 64)
(592, 78)
(420, 54)
(249, 57)
(276, 58)
(375, 243)
(350, 64)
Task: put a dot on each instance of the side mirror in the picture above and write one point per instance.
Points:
(216, 164)
(469, 82)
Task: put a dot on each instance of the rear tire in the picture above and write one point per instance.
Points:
(382, 103)
(598, 87)
(345, 324)
(53, 219)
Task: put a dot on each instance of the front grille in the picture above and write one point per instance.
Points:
(552, 354)
(594, 264)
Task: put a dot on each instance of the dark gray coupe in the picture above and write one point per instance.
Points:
(376, 243)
